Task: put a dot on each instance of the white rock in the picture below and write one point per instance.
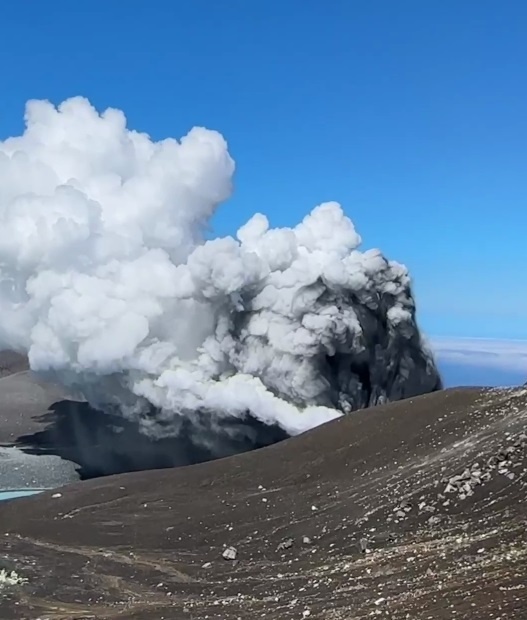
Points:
(230, 553)
(11, 578)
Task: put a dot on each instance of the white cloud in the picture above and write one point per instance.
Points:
(484, 352)
(106, 280)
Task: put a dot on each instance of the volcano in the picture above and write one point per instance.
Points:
(239, 427)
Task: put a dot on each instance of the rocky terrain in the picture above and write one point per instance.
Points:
(413, 510)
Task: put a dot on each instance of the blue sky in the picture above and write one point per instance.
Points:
(411, 114)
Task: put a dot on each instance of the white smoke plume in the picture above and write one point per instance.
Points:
(108, 282)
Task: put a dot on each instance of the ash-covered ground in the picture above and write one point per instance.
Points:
(415, 509)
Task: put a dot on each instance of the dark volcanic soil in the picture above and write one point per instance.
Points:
(413, 510)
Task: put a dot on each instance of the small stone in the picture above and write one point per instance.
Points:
(56, 495)
(207, 565)
(306, 540)
(230, 553)
(285, 544)
(363, 545)
(434, 520)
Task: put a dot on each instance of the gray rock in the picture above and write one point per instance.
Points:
(434, 520)
(285, 544)
(364, 545)
(230, 553)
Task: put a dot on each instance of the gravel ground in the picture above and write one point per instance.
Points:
(19, 470)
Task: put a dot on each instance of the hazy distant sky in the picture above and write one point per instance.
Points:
(473, 361)
(411, 114)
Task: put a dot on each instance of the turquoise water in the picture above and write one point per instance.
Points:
(21, 493)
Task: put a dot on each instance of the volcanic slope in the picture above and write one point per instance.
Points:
(414, 509)
(11, 362)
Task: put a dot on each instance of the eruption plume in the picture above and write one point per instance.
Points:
(108, 283)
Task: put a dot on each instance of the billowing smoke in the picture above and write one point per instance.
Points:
(107, 282)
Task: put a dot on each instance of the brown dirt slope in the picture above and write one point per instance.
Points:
(410, 510)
